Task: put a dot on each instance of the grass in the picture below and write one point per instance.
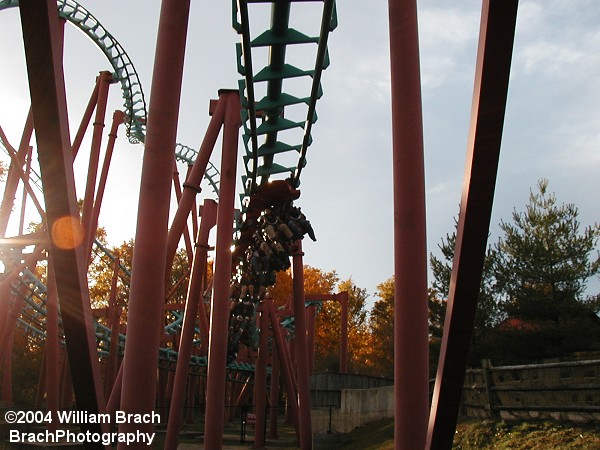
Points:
(526, 435)
(484, 435)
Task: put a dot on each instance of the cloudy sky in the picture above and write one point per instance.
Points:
(552, 126)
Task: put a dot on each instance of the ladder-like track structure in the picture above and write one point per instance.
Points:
(270, 125)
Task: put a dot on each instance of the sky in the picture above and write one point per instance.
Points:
(552, 125)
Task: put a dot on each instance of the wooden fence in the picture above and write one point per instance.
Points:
(558, 391)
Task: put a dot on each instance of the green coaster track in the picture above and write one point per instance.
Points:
(262, 141)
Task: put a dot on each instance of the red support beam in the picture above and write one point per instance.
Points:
(186, 231)
(147, 292)
(8, 316)
(43, 54)
(114, 316)
(219, 314)
(16, 167)
(14, 173)
(286, 366)
(260, 378)
(191, 186)
(311, 312)
(117, 120)
(193, 302)
(302, 374)
(274, 392)
(24, 195)
(52, 348)
(498, 21)
(411, 347)
(85, 121)
(103, 81)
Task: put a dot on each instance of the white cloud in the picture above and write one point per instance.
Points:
(447, 38)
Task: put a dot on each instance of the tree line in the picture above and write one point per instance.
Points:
(532, 303)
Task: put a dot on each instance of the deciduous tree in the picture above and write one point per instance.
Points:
(381, 324)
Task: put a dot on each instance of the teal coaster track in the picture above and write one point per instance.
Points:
(259, 157)
(263, 141)
(125, 74)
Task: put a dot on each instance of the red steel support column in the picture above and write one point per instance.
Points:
(85, 121)
(114, 314)
(274, 393)
(42, 43)
(5, 295)
(66, 389)
(7, 347)
(260, 378)
(311, 311)
(186, 232)
(52, 350)
(411, 360)
(113, 402)
(12, 179)
(192, 383)
(301, 349)
(24, 195)
(343, 299)
(496, 38)
(286, 365)
(194, 298)
(219, 314)
(191, 186)
(104, 80)
(146, 299)
(7, 326)
(7, 339)
(16, 166)
(117, 120)
(6, 394)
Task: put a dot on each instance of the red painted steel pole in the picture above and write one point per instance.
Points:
(411, 360)
(191, 187)
(260, 379)
(85, 120)
(186, 231)
(6, 394)
(274, 392)
(12, 178)
(5, 291)
(7, 343)
(113, 402)
(117, 120)
(194, 297)
(219, 315)
(286, 365)
(24, 195)
(301, 349)
(343, 299)
(311, 311)
(7, 340)
(5, 295)
(498, 21)
(114, 315)
(43, 55)
(90, 188)
(51, 348)
(66, 389)
(16, 163)
(145, 317)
